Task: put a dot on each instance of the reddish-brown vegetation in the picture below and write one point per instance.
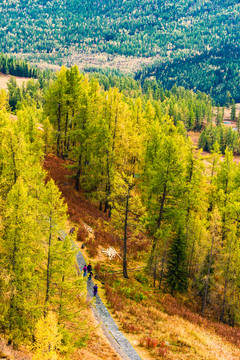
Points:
(80, 210)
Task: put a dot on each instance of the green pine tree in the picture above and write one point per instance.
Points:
(176, 276)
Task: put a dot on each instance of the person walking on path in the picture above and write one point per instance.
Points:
(71, 231)
(95, 289)
(84, 271)
(90, 276)
(89, 268)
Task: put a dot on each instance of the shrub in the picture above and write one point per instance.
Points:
(151, 343)
(92, 248)
(97, 268)
(82, 234)
(162, 350)
(140, 277)
(134, 294)
(131, 328)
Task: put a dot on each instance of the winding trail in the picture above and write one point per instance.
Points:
(120, 343)
(114, 335)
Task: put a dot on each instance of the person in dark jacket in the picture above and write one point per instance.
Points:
(71, 230)
(89, 268)
(95, 290)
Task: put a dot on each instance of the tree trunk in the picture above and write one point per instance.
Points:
(221, 318)
(77, 182)
(204, 299)
(159, 221)
(191, 254)
(65, 133)
(108, 188)
(125, 236)
(155, 271)
(70, 128)
(48, 266)
(59, 130)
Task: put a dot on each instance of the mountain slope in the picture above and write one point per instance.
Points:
(215, 72)
(65, 31)
(129, 27)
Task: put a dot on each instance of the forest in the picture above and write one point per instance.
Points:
(187, 41)
(129, 152)
(38, 281)
(12, 66)
(215, 72)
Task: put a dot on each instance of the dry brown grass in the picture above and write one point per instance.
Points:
(166, 329)
(86, 59)
(5, 78)
(97, 348)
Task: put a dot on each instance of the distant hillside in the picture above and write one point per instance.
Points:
(131, 27)
(61, 30)
(215, 72)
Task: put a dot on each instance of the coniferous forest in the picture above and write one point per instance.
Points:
(129, 152)
(191, 44)
(142, 162)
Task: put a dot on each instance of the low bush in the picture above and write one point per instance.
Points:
(131, 328)
(162, 350)
(82, 234)
(140, 277)
(92, 247)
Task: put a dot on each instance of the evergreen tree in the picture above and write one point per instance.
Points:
(176, 276)
(163, 176)
(56, 107)
(233, 111)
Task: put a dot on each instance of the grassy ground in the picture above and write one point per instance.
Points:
(158, 325)
(5, 78)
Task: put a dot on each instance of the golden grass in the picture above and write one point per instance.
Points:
(160, 335)
(5, 78)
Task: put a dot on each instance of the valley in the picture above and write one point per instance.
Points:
(119, 148)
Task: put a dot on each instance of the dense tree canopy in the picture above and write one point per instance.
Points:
(133, 157)
(194, 45)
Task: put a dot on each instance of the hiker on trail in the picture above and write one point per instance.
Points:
(89, 268)
(71, 230)
(84, 271)
(95, 289)
(90, 276)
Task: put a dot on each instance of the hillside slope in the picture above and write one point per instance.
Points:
(215, 72)
(70, 31)
(139, 28)
(158, 325)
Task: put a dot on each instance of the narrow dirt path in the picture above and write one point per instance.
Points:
(110, 328)
(114, 335)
